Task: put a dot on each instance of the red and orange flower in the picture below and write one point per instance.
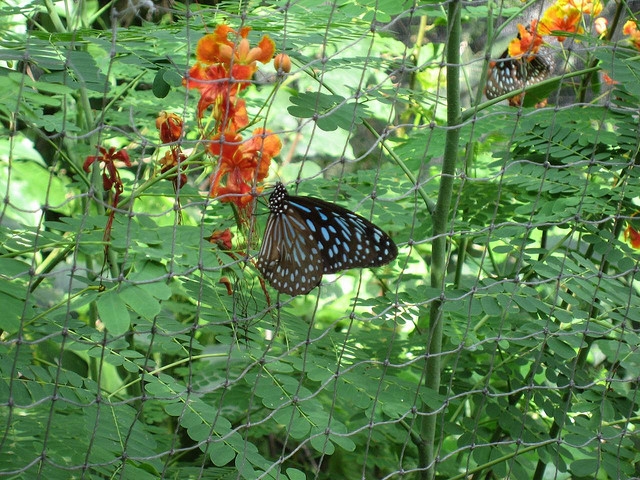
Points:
(561, 17)
(527, 43)
(225, 67)
(243, 163)
(170, 127)
(174, 158)
(588, 7)
(632, 236)
(110, 180)
(110, 175)
(600, 25)
(630, 29)
(225, 64)
(222, 238)
(282, 62)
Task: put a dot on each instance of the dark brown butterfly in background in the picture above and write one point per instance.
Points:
(508, 74)
(532, 65)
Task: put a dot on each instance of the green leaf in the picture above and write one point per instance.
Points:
(220, 453)
(295, 474)
(244, 468)
(537, 93)
(584, 467)
(150, 270)
(330, 111)
(85, 72)
(12, 309)
(140, 302)
(113, 313)
(345, 442)
(299, 427)
(172, 77)
(490, 305)
(322, 444)
(561, 348)
(160, 86)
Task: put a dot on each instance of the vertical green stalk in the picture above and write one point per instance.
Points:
(440, 243)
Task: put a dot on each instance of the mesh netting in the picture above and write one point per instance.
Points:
(147, 324)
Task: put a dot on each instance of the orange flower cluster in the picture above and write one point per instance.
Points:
(631, 30)
(527, 42)
(226, 62)
(564, 16)
(223, 69)
(243, 162)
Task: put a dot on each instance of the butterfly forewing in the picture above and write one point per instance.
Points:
(346, 239)
(307, 237)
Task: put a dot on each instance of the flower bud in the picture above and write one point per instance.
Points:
(282, 62)
(600, 25)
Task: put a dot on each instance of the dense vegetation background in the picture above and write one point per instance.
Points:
(137, 339)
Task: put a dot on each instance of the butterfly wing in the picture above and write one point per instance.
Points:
(289, 258)
(307, 237)
(538, 68)
(508, 74)
(345, 239)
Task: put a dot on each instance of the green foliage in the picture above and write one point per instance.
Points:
(164, 356)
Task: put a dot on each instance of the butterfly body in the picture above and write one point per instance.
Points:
(306, 237)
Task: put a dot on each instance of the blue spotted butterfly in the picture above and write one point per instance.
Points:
(307, 237)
